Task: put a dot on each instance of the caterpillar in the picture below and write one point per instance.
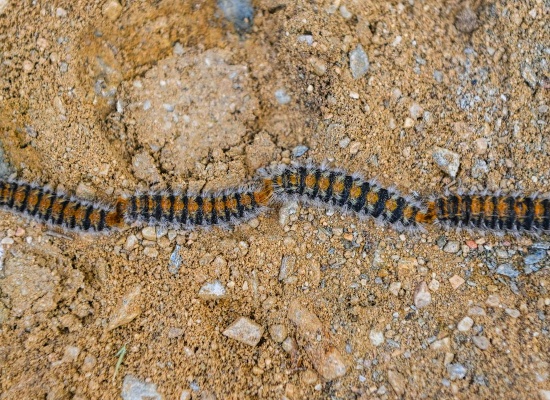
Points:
(321, 186)
(57, 209)
(492, 212)
(311, 184)
(189, 210)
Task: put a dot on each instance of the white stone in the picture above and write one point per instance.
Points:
(245, 330)
(422, 296)
(376, 337)
(136, 389)
(212, 291)
(111, 9)
(448, 161)
(465, 324)
(149, 233)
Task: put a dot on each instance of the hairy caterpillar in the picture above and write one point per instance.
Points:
(493, 212)
(315, 185)
(320, 186)
(56, 208)
(188, 210)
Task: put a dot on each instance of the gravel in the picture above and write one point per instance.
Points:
(212, 291)
(324, 356)
(448, 161)
(135, 389)
(456, 371)
(127, 310)
(422, 295)
(238, 12)
(358, 62)
(376, 337)
(245, 330)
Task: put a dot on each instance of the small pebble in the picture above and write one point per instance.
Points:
(174, 263)
(465, 324)
(245, 331)
(493, 301)
(528, 74)
(466, 20)
(481, 342)
(282, 96)
(507, 270)
(127, 310)
(395, 287)
(319, 67)
(354, 147)
(136, 389)
(422, 296)
(324, 356)
(111, 9)
(131, 242)
(149, 233)
(185, 395)
(278, 333)
(290, 346)
(212, 291)
(409, 123)
(299, 151)
(174, 332)
(7, 240)
(434, 285)
(71, 353)
(456, 281)
(345, 13)
(452, 246)
(456, 371)
(476, 310)
(287, 209)
(306, 39)
(416, 111)
(481, 145)
(376, 337)
(448, 161)
(358, 62)
(397, 382)
(60, 12)
(89, 363)
(512, 312)
(443, 345)
(151, 252)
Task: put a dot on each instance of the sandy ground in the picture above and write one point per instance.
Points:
(105, 98)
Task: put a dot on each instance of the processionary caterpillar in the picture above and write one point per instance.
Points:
(313, 185)
(56, 208)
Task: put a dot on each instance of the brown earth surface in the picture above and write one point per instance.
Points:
(106, 98)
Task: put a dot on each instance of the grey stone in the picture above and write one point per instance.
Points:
(358, 62)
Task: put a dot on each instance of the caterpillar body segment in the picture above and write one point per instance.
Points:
(494, 212)
(57, 209)
(320, 186)
(189, 210)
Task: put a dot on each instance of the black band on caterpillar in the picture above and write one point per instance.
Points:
(57, 209)
(505, 213)
(186, 210)
(324, 187)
